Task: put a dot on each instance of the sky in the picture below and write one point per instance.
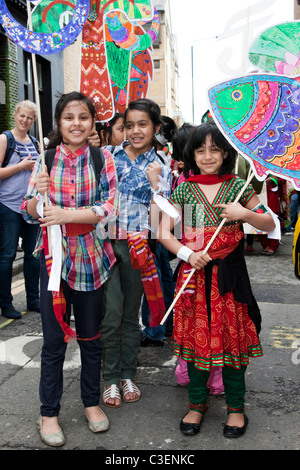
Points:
(196, 23)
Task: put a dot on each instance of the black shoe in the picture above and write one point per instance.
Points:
(35, 307)
(11, 313)
(145, 341)
(190, 429)
(235, 431)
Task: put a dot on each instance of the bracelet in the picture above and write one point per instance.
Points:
(184, 253)
(155, 191)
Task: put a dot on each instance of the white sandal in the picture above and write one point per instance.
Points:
(112, 391)
(130, 387)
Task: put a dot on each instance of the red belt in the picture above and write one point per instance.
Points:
(72, 230)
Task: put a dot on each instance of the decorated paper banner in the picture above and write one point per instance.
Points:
(116, 58)
(51, 16)
(116, 63)
(277, 49)
(260, 115)
(45, 42)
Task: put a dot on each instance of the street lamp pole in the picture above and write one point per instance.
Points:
(193, 104)
(192, 66)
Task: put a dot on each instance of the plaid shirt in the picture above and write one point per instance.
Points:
(135, 189)
(73, 185)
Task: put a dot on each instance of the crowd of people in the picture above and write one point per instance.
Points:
(113, 249)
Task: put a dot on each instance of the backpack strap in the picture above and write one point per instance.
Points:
(10, 148)
(97, 160)
(49, 159)
(35, 143)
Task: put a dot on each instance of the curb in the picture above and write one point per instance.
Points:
(18, 266)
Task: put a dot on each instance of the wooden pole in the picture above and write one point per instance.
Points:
(250, 176)
(244, 63)
(39, 120)
(129, 72)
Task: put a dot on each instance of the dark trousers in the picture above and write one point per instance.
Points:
(120, 329)
(87, 308)
(12, 227)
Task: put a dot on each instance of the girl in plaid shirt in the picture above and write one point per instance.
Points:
(81, 207)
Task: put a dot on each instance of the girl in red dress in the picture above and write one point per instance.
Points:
(217, 319)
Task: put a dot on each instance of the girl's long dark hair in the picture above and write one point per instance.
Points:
(107, 127)
(55, 137)
(197, 138)
(179, 140)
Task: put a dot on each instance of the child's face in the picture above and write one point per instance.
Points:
(76, 124)
(118, 132)
(209, 158)
(140, 130)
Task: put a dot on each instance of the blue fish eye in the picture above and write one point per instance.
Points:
(237, 95)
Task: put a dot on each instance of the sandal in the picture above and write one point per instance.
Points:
(111, 392)
(130, 387)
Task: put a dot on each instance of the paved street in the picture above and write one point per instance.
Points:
(272, 401)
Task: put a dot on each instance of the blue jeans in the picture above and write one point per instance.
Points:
(294, 211)
(87, 312)
(165, 275)
(12, 227)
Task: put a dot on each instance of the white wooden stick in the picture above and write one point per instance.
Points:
(36, 90)
(37, 99)
(129, 73)
(250, 176)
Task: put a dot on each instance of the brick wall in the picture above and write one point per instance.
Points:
(9, 88)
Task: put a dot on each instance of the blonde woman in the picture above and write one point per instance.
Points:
(14, 179)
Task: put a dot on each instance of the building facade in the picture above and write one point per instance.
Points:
(297, 9)
(164, 87)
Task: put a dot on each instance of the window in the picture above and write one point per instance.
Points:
(43, 71)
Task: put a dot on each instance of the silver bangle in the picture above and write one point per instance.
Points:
(184, 253)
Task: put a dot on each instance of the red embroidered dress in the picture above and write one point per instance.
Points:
(230, 336)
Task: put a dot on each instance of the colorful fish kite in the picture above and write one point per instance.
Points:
(277, 49)
(116, 59)
(260, 115)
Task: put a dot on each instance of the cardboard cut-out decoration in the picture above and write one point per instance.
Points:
(277, 49)
(46, 42)
(260, 115)
(116, 63)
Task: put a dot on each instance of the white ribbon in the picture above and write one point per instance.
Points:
(56, 249)
(163, 184)
(167, 207)
(276, 233)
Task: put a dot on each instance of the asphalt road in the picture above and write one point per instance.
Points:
(152, 424)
